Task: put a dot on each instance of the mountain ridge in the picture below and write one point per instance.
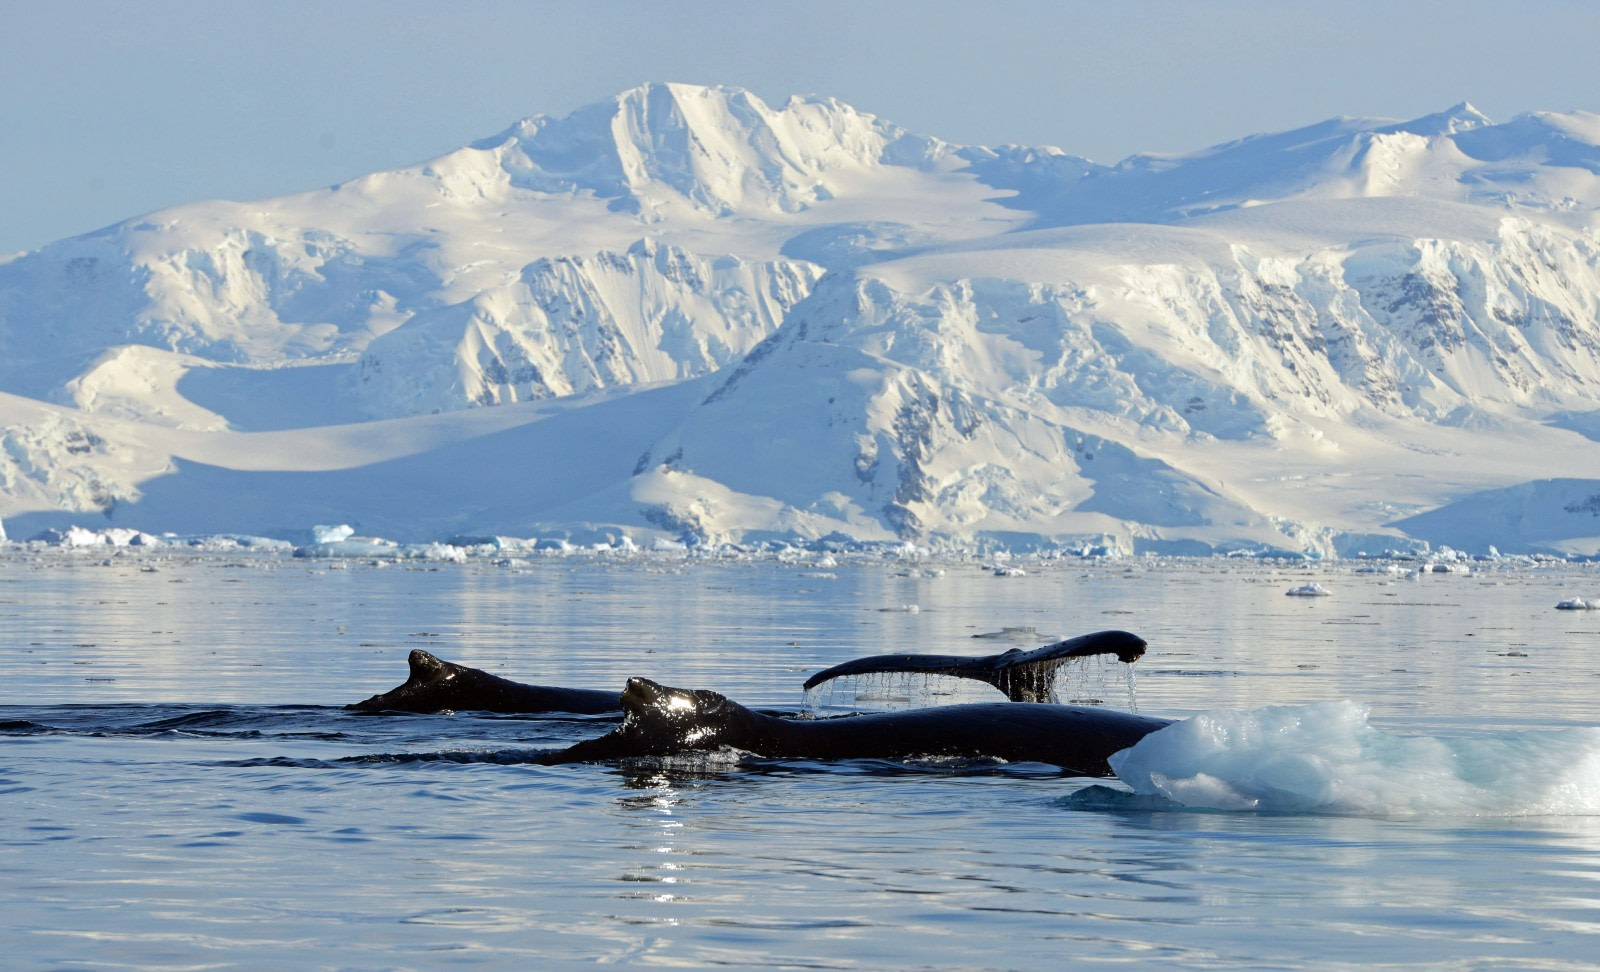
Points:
(1320, 340)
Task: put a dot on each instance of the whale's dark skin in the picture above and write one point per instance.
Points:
(436, 685)
(663, 721)
(1024, 676)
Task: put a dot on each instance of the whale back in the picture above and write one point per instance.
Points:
(664, 721)
(1079, 739)
(435, 685)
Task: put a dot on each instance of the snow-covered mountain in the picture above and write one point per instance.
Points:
(574, 324)
(681, 311)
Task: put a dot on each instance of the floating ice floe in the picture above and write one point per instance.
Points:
(77, 536)
(1010, 572)
(1579, 604)
(1325, 757)
(377, 548)
(322, 533)
(219, 542)
(1312, 589)
(1014, 632)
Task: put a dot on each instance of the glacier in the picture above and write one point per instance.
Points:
(685, 316)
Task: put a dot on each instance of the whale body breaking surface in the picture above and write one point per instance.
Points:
(1322, 757)
(664, 721)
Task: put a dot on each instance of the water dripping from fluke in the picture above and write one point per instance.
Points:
(1088, 670)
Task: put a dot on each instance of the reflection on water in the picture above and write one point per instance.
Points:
(179, 787)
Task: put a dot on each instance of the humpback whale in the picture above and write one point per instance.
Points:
(664, 721)
(1024, 676)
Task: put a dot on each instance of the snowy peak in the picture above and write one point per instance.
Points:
(1542, 138)
(722, 150)
(1452, 121)
(1540, 160)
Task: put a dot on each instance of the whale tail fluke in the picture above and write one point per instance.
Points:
(1024, 676)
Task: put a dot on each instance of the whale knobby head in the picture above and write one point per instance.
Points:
(679, 718)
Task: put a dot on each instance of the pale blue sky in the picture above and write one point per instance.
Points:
(111, 109)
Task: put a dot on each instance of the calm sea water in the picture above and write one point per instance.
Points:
(179, 789)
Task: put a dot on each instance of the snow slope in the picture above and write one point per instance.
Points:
(683, 312)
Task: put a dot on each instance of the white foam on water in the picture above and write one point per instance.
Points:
(1326, 758)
